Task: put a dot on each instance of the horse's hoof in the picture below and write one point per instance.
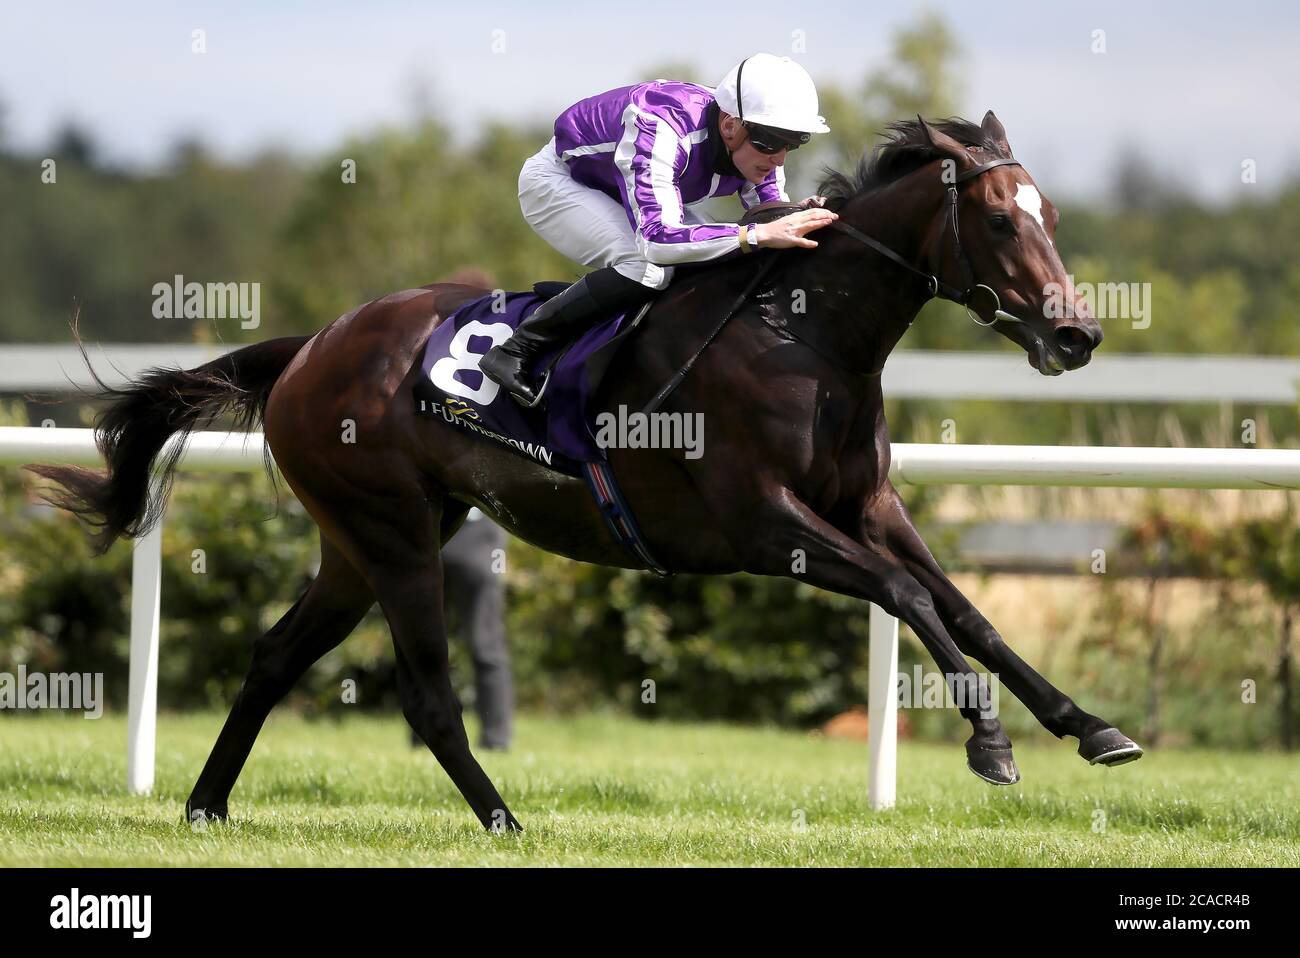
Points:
(508, 825)
(1110, 746)
(994, 765)
(197, 816)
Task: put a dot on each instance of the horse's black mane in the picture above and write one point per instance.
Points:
(905, 149)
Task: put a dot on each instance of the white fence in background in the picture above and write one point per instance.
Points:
(910, 373)
(913, 463)
(206, 452)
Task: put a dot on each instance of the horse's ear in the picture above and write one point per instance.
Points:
(944, 143)
(993, 129)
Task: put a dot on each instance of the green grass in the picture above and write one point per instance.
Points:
(601, 790)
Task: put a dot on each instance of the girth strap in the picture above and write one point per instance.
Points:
(618, 516)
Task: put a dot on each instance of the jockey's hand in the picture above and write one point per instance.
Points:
(792, 230)
(814, 201)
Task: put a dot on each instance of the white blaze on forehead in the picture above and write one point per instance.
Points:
(1029, 200)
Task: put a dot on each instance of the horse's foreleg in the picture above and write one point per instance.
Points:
(322, 618)
(800, 545)
(976, 637)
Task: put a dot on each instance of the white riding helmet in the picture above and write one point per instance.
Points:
(775, 92)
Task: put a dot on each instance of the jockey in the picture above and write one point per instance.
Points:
(614, 187)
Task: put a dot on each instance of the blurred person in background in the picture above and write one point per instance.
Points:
(476, 594)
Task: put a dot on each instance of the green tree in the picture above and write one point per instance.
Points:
(420, 209)
(1268, 551)
(917, 78)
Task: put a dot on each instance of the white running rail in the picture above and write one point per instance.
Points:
(913, 463)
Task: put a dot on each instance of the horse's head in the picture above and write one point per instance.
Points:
(1000, 236)
(953, 205)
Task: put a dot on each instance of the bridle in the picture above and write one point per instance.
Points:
(975, 294)
(936, 286)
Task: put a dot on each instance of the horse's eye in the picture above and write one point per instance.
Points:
(1000, 222)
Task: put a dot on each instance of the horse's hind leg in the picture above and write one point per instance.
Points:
(396, 542)
(321, 618)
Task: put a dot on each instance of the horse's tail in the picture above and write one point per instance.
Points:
(143, 415)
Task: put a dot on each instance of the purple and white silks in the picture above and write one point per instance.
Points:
(648, 147)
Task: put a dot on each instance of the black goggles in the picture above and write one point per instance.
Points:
(769, 139)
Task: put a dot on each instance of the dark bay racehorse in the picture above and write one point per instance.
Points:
(796, 461)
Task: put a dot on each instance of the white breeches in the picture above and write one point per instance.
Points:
(584, 224)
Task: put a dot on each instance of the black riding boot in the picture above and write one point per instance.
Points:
(599, 294)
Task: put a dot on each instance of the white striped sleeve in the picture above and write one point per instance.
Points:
(651, 157)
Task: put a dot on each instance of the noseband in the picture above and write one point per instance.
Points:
(975, 294)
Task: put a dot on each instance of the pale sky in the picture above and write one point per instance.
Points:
(1195, 86)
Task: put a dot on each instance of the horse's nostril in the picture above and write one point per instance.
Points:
(1073, 341)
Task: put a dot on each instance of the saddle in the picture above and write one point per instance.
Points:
(561, 434)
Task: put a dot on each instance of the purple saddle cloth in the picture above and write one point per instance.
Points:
(560, 433)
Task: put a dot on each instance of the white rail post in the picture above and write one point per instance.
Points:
(913, 463)
(882, 710)
(142, 693)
